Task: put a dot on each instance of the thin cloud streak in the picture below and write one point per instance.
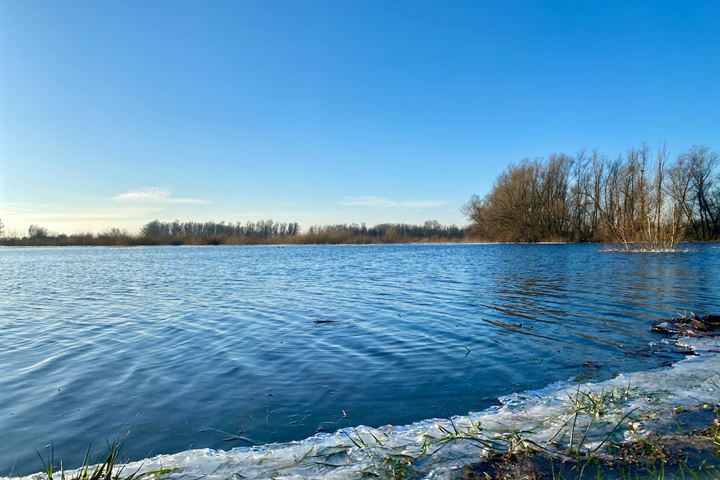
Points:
(381, 202)
(67, 219)
(156, 195)
(50, 211)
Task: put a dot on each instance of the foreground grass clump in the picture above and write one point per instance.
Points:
(591, 443)
(689, 453)
(108, 467)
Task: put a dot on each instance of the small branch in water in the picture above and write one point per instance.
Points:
(232, 437)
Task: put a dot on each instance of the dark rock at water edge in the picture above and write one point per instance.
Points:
(690, 325)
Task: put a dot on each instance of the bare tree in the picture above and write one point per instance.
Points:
(37, 232)
(702, 164)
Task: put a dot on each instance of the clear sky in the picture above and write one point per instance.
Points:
(115, 113)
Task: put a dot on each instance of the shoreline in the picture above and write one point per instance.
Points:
(630, 424)
(300, 244)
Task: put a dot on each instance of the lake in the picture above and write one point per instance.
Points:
(225, 347)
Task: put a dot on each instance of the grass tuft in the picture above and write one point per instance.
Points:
(107, 467)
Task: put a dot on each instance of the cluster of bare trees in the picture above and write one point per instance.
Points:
(217, 232)
(641, 199)
(37, 232)
(430, 231)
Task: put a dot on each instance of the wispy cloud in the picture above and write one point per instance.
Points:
(155, 195)
(73, 218)
(381, 202)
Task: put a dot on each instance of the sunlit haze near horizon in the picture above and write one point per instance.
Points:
(116, 113)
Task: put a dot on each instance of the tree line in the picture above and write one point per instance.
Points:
(642, 199)
(639, 199)
(192, 232)
(158, 232)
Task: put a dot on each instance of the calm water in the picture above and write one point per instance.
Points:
(180, 345)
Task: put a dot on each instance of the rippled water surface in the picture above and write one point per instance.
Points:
(197, 347)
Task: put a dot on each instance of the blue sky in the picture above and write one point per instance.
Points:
(115, 113)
